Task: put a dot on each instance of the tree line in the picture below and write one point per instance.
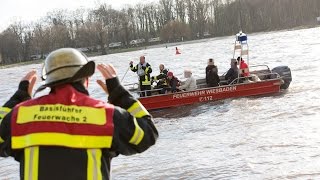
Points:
(171, 20)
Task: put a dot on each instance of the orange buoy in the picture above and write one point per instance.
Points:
(177, 51)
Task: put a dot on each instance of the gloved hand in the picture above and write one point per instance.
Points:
(152, 78)
(144, 67)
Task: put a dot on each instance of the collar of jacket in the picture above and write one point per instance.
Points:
(76, 85)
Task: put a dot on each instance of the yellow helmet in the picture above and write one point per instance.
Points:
(66, 65)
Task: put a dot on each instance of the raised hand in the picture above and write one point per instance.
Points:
(32, 78)
(108, 72)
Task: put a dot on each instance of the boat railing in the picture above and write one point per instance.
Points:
(253, 78)
(144, 92)
(254, 66)
(131, 86)
(260, 65)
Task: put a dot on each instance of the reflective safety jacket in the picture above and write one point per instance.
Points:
(143, 71)
(69, 135)
(20, 95)
(4, 111)
(162, 77)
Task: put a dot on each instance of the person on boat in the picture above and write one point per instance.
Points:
(143, 70)
(67, 134)
(173, 84)
(212, 77)
(161, 78)
(233, 72)
(244, 69)
(190, 83)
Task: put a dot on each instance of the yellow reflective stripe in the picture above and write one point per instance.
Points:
(146, 83)
(3, 112)
(146, 70)
(94, 164)
(60, 139)
(31, 163)
(137, 135)
(138, 110)
(146, 80)
(133, 68)
(62, 113)
(1, 140)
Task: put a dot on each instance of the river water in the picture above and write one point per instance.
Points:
(273, 137)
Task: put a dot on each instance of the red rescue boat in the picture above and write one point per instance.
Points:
(263, 87)
(260, 82)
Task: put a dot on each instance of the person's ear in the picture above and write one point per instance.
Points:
(86, 83)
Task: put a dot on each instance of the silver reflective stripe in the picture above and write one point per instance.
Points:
(136, 111)
(137, 137)
(31, 162)
(95, 169)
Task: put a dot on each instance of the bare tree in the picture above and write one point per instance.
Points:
(175, 31)
(170, 19)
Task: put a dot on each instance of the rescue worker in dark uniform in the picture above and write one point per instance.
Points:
(143, 70)
(212, 77)
(67, 134)
(23, 93)
(4, 111)
(161, 78)
(233, 72)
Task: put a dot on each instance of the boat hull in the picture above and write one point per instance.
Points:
(212, 94)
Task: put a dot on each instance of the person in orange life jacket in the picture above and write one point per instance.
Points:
(244, 69)
(161, 78)
(172, 82)
(212, 77)
(67, 134)
(143, 70)
(233, 72)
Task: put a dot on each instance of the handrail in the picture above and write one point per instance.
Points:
(145, 91)
(260, 65)
(130, 84)
(239, 78)
(250, 67)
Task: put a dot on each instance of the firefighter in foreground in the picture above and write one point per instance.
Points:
(67, 134)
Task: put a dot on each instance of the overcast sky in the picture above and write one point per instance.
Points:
(32, 10)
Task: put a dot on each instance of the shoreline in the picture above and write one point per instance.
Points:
(131, 49)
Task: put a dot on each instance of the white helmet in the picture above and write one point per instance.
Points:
(66, 65)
